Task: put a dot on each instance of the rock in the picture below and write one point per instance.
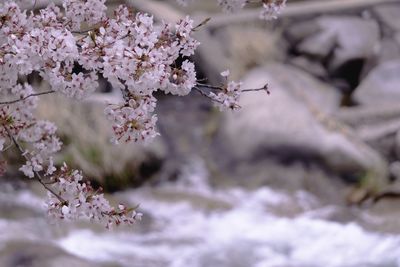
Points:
(318, 45)
(300, 30)
(349, 38)
(397, 38)
(311, 66)
(394, 168)
(240, 46)
(29, 254)
(389, 50)
(249, 46)
(291, 126)
(388, 15)
(86, 135)
(376, 125)
(381, 86)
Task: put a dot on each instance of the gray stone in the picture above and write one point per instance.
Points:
(292, 123)
(241, 46)
(389, 50)
(86, 134)
(311, 66)
(356, 38)
(397, 38)
(394, 168)
(29, 254)
(381, 86)
(349, 37)
(389, 15)
(300, 30)
(319, 45)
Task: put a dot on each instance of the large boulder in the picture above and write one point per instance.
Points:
(243, 47)
(86, 135)
(292, 126)
(381, 86)
(346, 38)
(388, 15)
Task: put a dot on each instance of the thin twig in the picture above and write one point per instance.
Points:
(204, 94)
(26, 97)
(201, 24)
(201, 92)
(209, 86)
(264, 88)
(39, 178)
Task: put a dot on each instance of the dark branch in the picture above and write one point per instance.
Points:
(26, 97)
(215, 87)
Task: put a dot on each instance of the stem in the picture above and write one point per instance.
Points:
(204, 94)
(26, 97)
(209, 86)
(38, 177)
(264, 88)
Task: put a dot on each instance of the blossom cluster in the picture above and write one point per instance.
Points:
(228, 95)
(71, 198)
(270, 8)
(69, 47)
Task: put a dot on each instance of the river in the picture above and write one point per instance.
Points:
(189, 224)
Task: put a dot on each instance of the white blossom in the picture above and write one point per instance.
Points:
(88, 11)
(133, 120)
(228, 96)
(76, 199)
(232, 5)
(271, 9)
(69, 48)
(182, 80)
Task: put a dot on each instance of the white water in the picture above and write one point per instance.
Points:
(244, 236)
(248, 234)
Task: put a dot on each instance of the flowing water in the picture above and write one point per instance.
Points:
(187, 224)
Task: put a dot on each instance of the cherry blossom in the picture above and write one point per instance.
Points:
(76, 199)
(270, 8)
(69, 47)
(228, 96)
(232, 5)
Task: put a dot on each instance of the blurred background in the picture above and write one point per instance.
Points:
(306, 176)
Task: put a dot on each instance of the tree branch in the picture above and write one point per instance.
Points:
(38, 177)
(26, 97)
(264, 88)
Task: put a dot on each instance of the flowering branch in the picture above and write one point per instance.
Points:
(38, 177)
(226, 95)
(221, 88)
(130, 51)
(270, 8)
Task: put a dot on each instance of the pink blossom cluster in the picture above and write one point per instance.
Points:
(228, 95)
(69, 47)
(74, 199)
(270, 8)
